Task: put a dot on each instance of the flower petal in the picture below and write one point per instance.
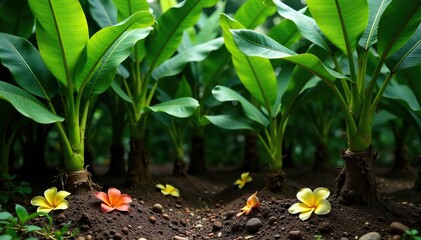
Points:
(63, 204)
(114, 196)
(103, 197)
(298, 208)
(245, 177)
(321, 193)
(160, 186)
(123, 207)
(253, 201)
(175, 193)
(305, 215)
(44, 209)
(105, 208)
(322, 207)
(124, 198)
(306, 196)
(40, 201)
(238, 182)
(62, 194)
(50, 195)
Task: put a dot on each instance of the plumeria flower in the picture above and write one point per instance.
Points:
(252, 202)
(168, 190)
(245, 178)
(52, 200)
(114, 200)
(311, 201)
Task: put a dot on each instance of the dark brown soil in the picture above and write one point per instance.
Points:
(208, 203)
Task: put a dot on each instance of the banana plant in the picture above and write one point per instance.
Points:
(350, 31)
(70, 66)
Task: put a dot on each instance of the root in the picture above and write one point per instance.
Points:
(77, 181)
(276, 181)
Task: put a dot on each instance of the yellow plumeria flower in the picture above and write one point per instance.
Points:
(311, 201)
(53, 200)
(252, 202)
(168, 190)
(245, 178)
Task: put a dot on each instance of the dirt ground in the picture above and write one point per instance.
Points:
(208, 204)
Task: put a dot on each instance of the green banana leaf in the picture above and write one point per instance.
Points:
(342, 22)
(225, 94)
(397, 24)
(196, 53)
(376, 9)
(62, 34)
(408, 56)
(184, 89)
(126, 8)
(106, 40)
(411, 77)
(256, 74)
(171, 26)
(228, 122)
(257, 44)
(305, 24)
(167, 4)
(16, 18)
(253, 8)
(120, 92)
(103, 12)
(209, 26)
(26, 65)
(27, 104)
(114, 56)
(180, 107)
(402, 93)
(286, 33)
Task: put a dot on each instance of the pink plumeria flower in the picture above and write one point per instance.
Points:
(114, 200)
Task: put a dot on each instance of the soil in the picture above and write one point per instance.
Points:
(208, 204)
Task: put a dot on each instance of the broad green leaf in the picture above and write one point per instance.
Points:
(6, 237)
(299, 78)
(21, 213)
(114, 56)
(408, 56)
(167, 4)
(26, 66)
(209, 26)
(171, 26)
(376, 9)
(16, 18)
(117, 89)
(401, 109)
(32, 228)
(305, 24)
(225, 94)
(5, 216)
(176, 64)
(397, 24)
(103, 12)
(403, 93)
(229, 122)
(285, 33)
(180, 107)
(184, 89)
(411, 77)
(342, 21)
(253, 43)
(62, 34)
(253, 8)
(105, 41)
(256, 74)
(126, 8)
(27, 104)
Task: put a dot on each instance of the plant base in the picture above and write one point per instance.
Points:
(356, 183)
(179, 168)
(276, 180)
(78, 182)
(138, 173)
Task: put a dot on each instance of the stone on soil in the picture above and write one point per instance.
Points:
(253, 225)
(371, 236)
(157, 208)
(397, 228)
(295, 235)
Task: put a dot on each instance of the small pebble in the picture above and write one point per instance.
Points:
(295, 235)
(125, 230)
(277, 236)
(80, 238)
(219, 234)
(344, 238)
(216, 226)
(272, 220)
(117, 236)
(253, 225)
(142, 239)
(152, 219)
(179, 238)
(157, 208)
(371, 236)
(397, 228)
(396, 237)
(61, 218)
(165, 216)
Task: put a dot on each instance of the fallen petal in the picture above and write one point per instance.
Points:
(44, 209)
(322, 207)
(105, 208)
(306, 215)
(103, 197)
(160, 186)
(321, 193)
(123, 207)
(306, 196)
(40, 201)
(63, 204)
(298, 208)
(50, 195)
(114, 196)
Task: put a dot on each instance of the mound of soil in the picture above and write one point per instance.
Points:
(207, 207)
